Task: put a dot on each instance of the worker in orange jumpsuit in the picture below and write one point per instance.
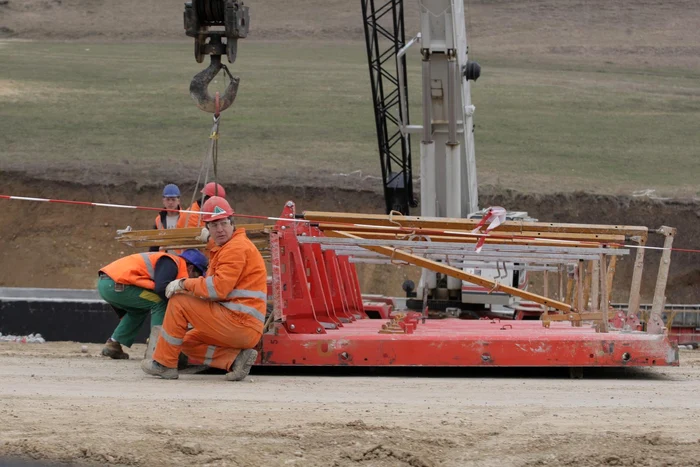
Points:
(209, 190)
(135, 287)
(226, 308)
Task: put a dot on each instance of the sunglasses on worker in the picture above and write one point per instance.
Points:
(218, 224)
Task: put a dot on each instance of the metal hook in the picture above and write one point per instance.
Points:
(200, 84)
(505, 271)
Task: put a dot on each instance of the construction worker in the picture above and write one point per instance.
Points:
(226, 309)
(167, 219)
(209, 190)
(135, 286)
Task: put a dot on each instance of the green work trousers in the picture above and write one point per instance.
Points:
(136, 304)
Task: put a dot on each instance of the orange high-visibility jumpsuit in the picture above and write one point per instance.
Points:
(139, 269)
(194, 220)
(226, 308)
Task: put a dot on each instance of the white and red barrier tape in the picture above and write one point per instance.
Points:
(495, 215)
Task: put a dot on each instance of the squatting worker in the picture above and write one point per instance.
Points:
(135, 287)
(209, 190)
(226, 309)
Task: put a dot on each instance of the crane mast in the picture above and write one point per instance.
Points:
(448, 184)
(448, 167)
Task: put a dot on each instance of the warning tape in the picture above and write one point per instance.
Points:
(345, 224)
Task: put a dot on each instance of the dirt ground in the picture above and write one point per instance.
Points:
(49, 245)
(61, 405)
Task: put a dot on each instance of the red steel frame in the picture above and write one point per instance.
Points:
(320, 321)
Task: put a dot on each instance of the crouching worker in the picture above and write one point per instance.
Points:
(226, 309)
(135, 287)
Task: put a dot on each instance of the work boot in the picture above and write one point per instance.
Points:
(113, 349)
(242, 364)
(154, 368)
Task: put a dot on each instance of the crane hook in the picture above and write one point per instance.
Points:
(199, 88)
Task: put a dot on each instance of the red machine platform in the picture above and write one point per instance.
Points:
(319, 319)
(468, 343)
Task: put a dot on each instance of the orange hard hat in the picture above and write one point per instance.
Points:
(213, 189)
(216, 208)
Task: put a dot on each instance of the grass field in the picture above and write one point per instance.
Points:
(122, 111)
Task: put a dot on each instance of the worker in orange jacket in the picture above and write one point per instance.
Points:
(135, 286)
(209, 190)
(226, 309)
(167, 218)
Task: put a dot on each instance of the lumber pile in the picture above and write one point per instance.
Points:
(171, 239)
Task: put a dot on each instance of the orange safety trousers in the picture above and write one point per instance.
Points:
(218, 336)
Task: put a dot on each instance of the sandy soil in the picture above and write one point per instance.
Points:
(86, 243)
(61, 405)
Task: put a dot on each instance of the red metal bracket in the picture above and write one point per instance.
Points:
(313, 290)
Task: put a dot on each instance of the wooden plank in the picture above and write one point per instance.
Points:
(578, 237)
(175, 239)
(454, 272)
(470, 224)
(174, 245)
(611, 275)
(570, 286)
(188, 232)
(587, 284)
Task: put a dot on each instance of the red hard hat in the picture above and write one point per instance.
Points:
(216, 208)
(213, 189)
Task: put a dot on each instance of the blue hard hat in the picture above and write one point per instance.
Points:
(196, 258)
(171, 191)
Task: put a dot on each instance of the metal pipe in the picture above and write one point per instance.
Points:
(451, 99)
(469, 247)
(479, 261)
(465, 276)
(458, 264)
(402, 86)
(427, 99)
(553, 259)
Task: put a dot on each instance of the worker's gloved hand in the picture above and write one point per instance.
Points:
(204, 236)
(123, 231)
(174, 287)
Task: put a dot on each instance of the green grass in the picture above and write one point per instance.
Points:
(304, 111)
